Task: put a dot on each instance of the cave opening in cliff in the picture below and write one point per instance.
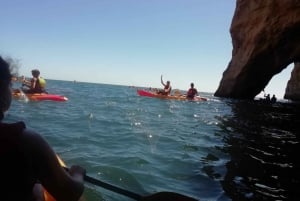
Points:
(277, 85)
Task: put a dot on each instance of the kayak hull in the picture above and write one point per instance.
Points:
(40, 97)
(151, 94)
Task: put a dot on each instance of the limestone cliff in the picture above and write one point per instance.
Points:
(266, 39)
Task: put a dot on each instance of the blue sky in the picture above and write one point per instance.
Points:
(126, 42)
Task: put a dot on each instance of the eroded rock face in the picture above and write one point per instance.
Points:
(292, 90)
(266, 39)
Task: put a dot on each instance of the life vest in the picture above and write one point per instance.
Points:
(167, 88)
(191, 93)
(42, 82)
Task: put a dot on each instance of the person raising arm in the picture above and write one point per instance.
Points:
(167, 87)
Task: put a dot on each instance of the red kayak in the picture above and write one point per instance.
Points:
(153, 94)
(39, 96)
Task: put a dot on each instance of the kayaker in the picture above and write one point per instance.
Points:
(273, 99)
(36, 85)
(192, 92)
(267, 98)
(27, 160)
(167, 87)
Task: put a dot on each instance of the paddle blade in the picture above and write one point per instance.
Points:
(167, 196)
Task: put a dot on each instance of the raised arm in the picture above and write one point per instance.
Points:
(161, 80)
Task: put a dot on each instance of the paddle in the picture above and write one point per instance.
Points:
(160, 196)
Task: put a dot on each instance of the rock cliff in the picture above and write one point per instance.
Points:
(292, 91)
(266, 39)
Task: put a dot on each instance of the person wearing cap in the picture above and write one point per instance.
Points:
(192, 92)
(36, 85)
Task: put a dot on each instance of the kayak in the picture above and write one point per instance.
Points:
(39, 96)
(153, 94)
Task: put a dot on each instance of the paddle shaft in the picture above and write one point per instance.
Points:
(165, 196)
(107, 186)
(160, 196)
(112, 188)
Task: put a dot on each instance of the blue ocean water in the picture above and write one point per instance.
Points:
(220, 149)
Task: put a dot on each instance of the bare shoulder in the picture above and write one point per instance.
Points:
(40, 150)
(31, 136)
(34, 141)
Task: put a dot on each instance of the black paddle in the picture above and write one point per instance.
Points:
(160, 196)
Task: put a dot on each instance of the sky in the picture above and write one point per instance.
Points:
(124, 42)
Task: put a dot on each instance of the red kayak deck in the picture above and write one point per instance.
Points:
(40, 96)
(147, 93)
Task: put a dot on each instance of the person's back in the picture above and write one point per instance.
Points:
(40, 85)
(27, 159)
(192, 92)
(273, 99)
(17, 172)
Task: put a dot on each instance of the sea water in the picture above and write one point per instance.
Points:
(220, 149)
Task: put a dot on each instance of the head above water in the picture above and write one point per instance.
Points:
(192, 85)
(5, 91)
(168, 82)
(35, 73)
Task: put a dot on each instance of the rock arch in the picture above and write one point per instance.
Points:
(266, 39)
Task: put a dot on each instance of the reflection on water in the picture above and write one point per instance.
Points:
(263, 144)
